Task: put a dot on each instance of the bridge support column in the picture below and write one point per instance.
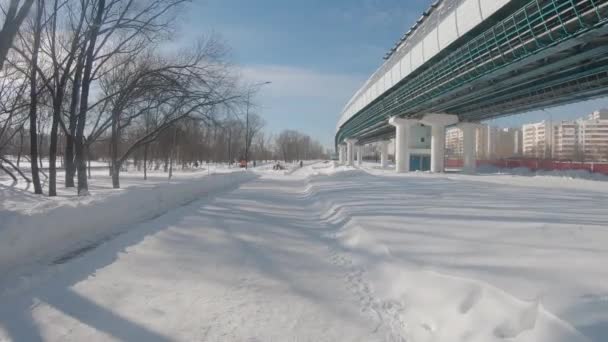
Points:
(341, 153)
(402, 146)
(359, 155)
(350, 152)
(384, 154)
(438, 122)
(469, 131)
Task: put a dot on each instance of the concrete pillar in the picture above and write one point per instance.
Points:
(359, 155)
(341, 153)
(490, 142)
(438, 122)
(350, 152)
(402, 148)
(468, 134)
(384, 154)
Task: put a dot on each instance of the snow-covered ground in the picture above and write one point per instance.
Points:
(326, 253)
(35, 229)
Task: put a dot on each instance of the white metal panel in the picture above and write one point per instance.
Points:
(382, 85)
(396, 74)
(448, 31)
(431, 48)
(468, 15)
(490, 7)
(375, 91)
(417, 56)
(406, 65)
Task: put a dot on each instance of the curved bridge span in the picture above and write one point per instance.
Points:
(471, 60)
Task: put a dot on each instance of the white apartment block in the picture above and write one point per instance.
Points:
(565, 141)
(497, 143)
(581, 140)
(537, 140)
(490, 143)
(593, 136)
(454, 142)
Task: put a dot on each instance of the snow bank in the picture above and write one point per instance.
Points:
(413, 303)
(423, 305)
(50, 229)
(524, 171)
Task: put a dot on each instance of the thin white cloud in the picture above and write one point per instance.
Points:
(301, 83)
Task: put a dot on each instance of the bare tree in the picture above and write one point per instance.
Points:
(14, 16)
(175, 88)
(33, 106)
(253, 127)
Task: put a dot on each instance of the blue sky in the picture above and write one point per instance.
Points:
(317, 53)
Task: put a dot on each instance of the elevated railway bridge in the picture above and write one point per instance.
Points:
(465, 61)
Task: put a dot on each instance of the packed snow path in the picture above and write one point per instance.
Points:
(351, 256)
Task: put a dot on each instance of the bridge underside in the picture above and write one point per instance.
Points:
(548, 53)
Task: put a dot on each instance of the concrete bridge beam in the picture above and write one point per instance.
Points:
(402, 148)
(438, 123)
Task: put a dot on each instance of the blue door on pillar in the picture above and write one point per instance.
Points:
(420, 162)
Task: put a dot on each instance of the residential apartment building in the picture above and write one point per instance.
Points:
(593, 137)
(454, 142)
(537, 140)
(490, 142)
(497, 143)
(565, 141)
(580, 140)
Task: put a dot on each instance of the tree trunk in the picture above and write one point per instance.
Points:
(230, 148)
(70, 166)
(20, 146)
(53, 152)
(116, 175)
(40, 146)
(171, 167)
(114, 139)
(173, 152)
(34, 104)
(146, 162)
(83, 185)
(69, 161)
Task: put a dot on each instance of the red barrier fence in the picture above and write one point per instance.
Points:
(535, 164)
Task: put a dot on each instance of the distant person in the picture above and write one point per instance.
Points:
(301, 163)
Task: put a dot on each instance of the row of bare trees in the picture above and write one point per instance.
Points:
(95, 72)
(293, 145)
(89, 79)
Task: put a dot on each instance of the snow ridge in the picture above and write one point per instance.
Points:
(414, 304)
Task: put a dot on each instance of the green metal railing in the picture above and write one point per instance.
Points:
(536, 26)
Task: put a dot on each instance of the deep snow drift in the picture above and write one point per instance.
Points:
(327, 253)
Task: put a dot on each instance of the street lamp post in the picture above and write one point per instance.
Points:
(247, 122)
